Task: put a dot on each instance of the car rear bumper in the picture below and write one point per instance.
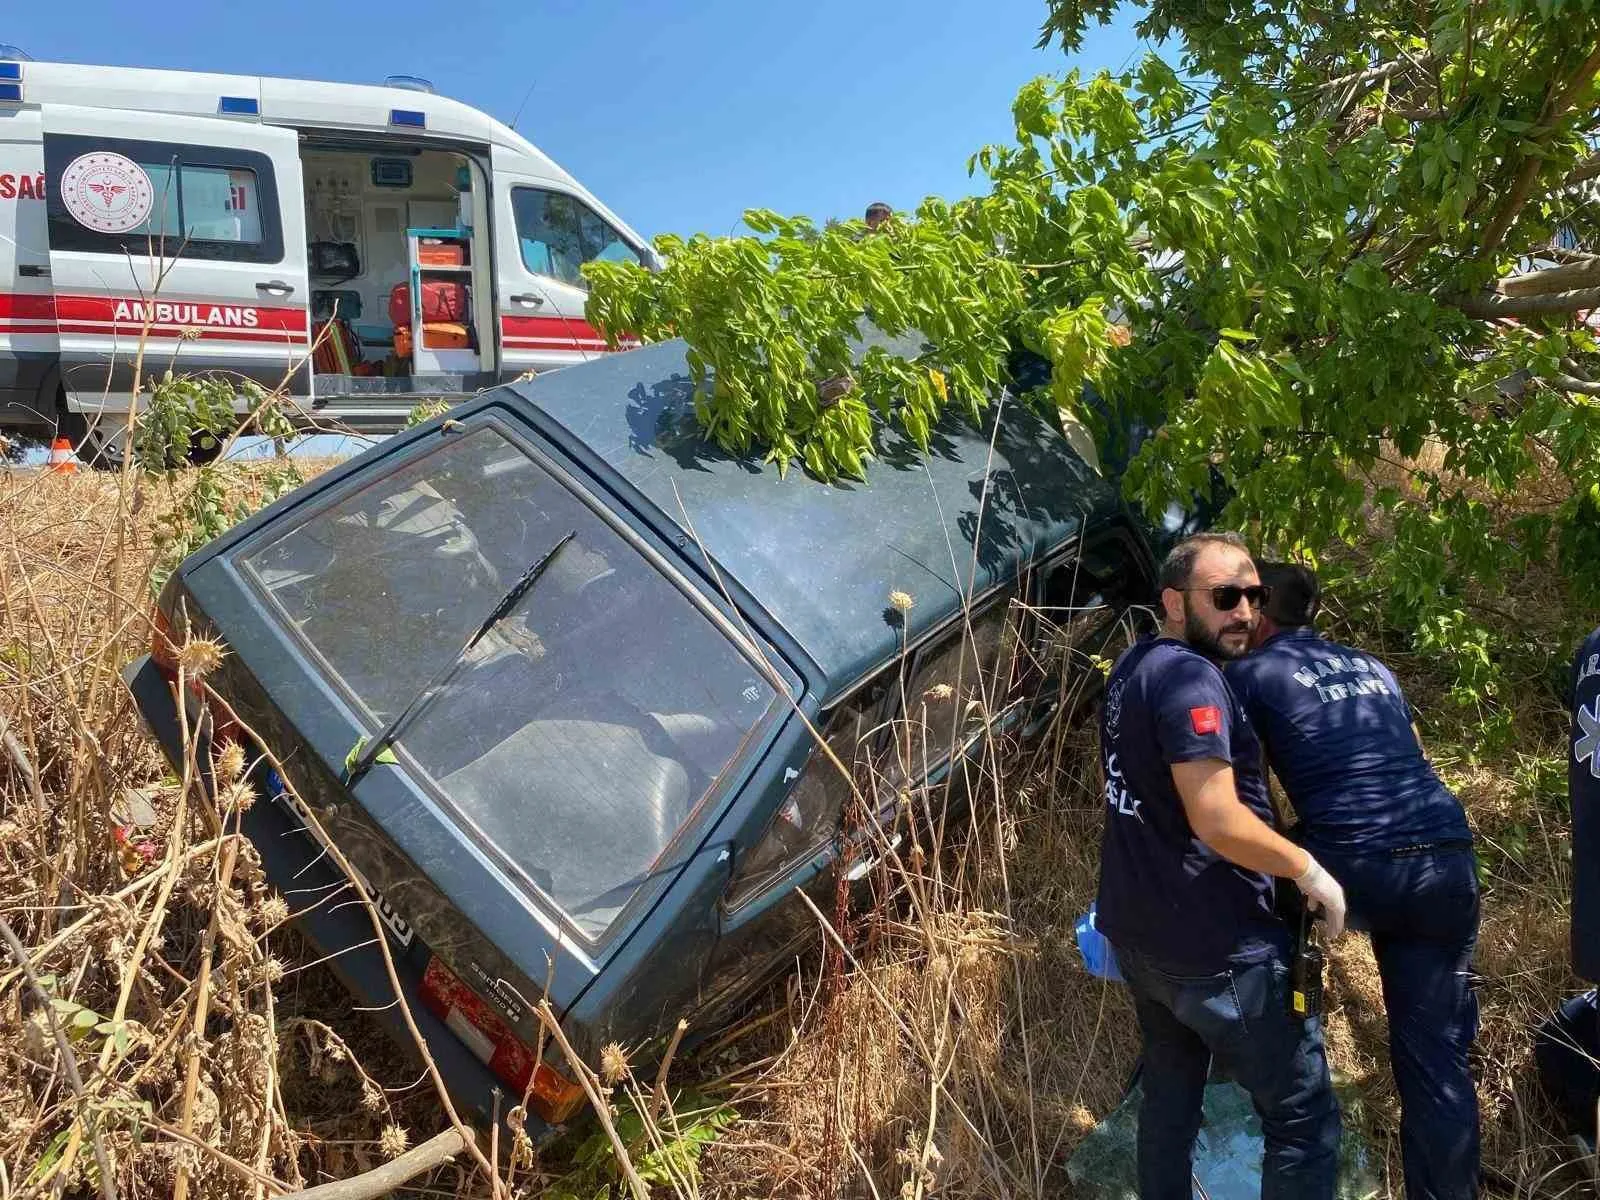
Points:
(336, 923)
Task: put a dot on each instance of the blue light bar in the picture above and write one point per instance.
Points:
(239, 106)
(10, 93)
(10, 70)
(410, 118)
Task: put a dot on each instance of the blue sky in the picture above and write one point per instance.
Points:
(678, 122)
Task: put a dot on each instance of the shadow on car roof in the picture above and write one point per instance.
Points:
(822, 558)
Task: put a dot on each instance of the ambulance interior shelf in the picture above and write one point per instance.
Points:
(438, 325)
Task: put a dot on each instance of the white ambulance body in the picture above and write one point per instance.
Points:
(219, 220)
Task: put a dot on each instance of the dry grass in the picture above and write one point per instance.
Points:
(949, 1042)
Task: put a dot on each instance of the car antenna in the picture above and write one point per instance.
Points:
(366, 753)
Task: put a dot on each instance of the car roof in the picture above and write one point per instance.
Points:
(822, 558)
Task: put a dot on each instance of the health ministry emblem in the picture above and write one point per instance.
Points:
(106, 192)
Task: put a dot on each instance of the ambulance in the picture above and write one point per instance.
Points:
(363, 248)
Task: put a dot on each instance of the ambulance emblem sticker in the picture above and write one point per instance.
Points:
(107, 192)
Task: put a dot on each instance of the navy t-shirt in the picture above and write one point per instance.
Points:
(1583, 789)
(1338, 731)
(1164, 892)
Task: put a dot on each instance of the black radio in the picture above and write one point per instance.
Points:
(1305, 971)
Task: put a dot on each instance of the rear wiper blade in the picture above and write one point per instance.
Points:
(366, 753)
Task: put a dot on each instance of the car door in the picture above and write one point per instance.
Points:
(545, 234)
(180, 235)
(763, 924)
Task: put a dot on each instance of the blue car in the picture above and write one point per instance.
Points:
(546, 671)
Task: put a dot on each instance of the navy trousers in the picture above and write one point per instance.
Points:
(1241, 1017)
(1421, 909)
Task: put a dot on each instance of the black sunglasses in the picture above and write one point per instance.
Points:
(1226, 598)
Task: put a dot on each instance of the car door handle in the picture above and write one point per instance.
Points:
(529, 299)
(33, 271)
(276, 287)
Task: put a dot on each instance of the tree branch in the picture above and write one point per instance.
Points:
(1555, 108)
(379, 1181)
(1552, 279)
(1588, 169)
(1570, 383)
(1491, 305)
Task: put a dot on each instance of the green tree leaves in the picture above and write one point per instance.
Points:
(1315, 258)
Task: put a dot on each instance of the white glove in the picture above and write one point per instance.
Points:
(1323, 894)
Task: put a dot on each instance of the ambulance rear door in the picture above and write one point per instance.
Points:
(175, 241)
(27, 311)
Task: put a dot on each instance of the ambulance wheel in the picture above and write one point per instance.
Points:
(98, 445)
(204, 450)
(102, 445)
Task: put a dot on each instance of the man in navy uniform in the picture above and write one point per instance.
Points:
(1342, 741)
(1583, 789)
(1187, 862)
(1567, 1046)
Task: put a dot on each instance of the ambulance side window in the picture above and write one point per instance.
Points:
(558, 233)
(206, 202)
(209, 204)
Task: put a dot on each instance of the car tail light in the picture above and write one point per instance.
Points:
(552, 1095)
(162, 650)
(164, 653)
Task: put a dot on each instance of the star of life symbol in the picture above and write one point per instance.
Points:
(1587, 744)
(106, 192)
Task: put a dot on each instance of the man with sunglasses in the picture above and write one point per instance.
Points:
(1341, 739)
(1187, 861)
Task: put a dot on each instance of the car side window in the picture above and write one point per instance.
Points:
(1082, 600)
(953, 686)
(558, 233)
(812, 812)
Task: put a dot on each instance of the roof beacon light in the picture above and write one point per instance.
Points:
(408, 118)
(411, 83)
(10, 53)
(239, 106)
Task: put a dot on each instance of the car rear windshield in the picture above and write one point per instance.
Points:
(583, 732)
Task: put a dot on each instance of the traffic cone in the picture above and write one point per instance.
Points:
(62, 460)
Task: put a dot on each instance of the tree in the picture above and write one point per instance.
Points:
(1337, 254)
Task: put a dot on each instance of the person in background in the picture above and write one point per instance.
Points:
(878, 214)
(1567, 1046)
(1187, 861)
(1583, 789)
(1342, 741)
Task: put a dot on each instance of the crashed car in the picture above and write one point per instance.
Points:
(546, 672)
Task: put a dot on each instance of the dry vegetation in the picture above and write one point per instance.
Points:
(949, 1042)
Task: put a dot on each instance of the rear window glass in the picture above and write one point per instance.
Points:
(583, 731)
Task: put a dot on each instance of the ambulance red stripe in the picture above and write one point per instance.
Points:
(526, 344)
(133, 312)
(27, 306)
(117, 314)
(129, 334)
(552, 333)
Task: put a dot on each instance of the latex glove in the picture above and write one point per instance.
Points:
(1323, 894)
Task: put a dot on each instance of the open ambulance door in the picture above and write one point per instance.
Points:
(175, 242)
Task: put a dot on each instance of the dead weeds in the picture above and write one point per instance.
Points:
(949, 1042)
